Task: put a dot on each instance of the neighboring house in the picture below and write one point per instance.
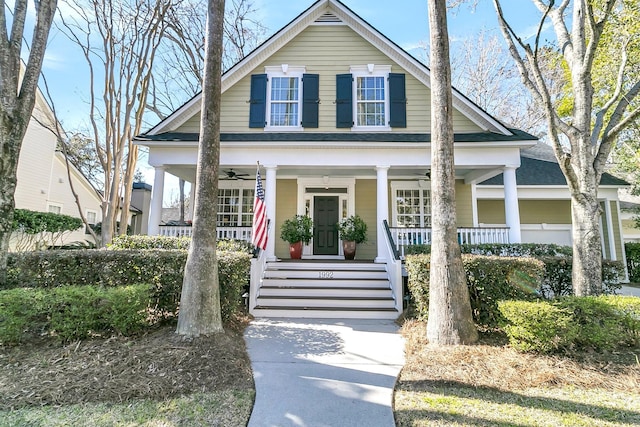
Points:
(43, 182)
(339, 118)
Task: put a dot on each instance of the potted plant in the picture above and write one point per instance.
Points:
(352, 230)
(296, 231)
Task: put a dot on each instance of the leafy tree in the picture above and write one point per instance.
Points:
(450, 321)
(200, 299)
(585, 122)
(18, 88)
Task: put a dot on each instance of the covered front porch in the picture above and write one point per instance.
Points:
(399, 197)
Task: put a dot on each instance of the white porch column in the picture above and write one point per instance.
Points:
(511, 207)
(382, 211)
(611, 237)
(270, 201)
(155, 216)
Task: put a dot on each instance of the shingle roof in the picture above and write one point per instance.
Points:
(543, 172)
(518, 135)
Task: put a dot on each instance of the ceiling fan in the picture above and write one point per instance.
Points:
(232, 175)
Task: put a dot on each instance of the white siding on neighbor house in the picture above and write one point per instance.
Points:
(42, 179)
(328, 51)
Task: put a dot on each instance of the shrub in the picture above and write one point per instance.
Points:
(557, 260)
(537, 326)
(572, 323)
(632, 251)
(297, 229)
(489, 279)
(148, 242)
(72, 312)
(162, 269)
(502, 249)
(40, 229)
(557, 278)
(353, 229)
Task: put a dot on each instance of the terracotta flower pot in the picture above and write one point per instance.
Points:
(295, 250)
(349, 249)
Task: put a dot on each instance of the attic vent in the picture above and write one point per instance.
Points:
(328, 17)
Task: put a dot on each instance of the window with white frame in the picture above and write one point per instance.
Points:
(53, 207)
(91, 217)
(235, 207)
(371, 101)
(284, 99)
(411, 204)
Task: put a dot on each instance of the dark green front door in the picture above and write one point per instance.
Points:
(325, 217)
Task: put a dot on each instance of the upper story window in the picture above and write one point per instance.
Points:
(284, 103)
(370, 101)
(371, 98)
(284, 98)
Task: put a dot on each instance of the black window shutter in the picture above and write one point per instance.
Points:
(310, 100)
(258, 101)
(397, 101)
(344, 101)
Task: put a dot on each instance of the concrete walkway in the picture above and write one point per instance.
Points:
(630, 291)
(324, 372)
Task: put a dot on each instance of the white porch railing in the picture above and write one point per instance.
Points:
(403, 237)
(223, 233)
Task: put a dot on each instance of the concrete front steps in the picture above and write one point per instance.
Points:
(325, 289)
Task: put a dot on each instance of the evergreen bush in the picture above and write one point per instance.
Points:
(489, 279)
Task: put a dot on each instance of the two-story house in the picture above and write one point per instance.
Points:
(338, 116)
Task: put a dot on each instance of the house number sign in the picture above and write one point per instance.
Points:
(326, 274)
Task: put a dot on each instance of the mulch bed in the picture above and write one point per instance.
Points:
(492, 364)
(157, 365)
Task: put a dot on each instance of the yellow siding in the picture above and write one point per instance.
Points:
(531, 211)
(286, 207)
(327, 51)
(366, 205)
(464, 204)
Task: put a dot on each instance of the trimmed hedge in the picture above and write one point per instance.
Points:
(72, 312)
(162, 269)
(569, 324)
(489, 279)
(502, 249)
(166, 242)
(557, 260)
(632, 251)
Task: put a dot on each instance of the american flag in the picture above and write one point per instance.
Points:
(259, 231)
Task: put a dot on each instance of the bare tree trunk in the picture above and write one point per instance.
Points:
(450, 321)
(17, 99)
(200, 299)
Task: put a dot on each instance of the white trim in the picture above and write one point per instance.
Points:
(370, 70)
(86, 216)
(421, 184)
(612, 241)
(326, 182)
(283, 70)
(54, 205)
(474, 205)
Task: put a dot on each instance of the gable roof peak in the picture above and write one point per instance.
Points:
(332, 12)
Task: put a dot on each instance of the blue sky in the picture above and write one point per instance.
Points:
(403, 21)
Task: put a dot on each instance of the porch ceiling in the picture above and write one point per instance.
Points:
(188, 172)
